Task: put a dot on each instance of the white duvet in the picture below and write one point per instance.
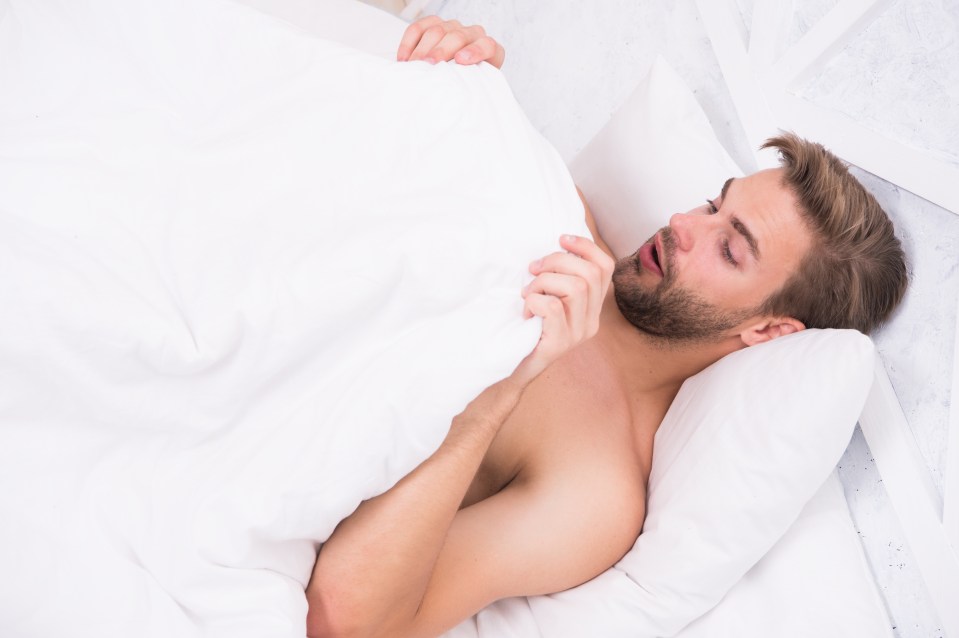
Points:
(247, 276)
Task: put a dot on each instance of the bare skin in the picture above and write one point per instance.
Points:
(540, 484)
(435, 40)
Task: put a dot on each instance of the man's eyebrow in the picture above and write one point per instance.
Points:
(722, 193)
(747, 235)
(739, 225)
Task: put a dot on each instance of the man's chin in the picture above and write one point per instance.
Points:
(674, 317)
(629, 274)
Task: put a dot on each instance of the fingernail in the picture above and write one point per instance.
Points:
(430, 60)
(536, 264)
(466, 56)
(569, 237)
(524, 290)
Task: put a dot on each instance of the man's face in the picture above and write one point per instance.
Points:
(705, 276)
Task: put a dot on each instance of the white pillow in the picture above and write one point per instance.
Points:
(746, 443)
(743, 448)
(656, 156)
(813, 582)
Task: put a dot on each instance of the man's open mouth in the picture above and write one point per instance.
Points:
(649, 258)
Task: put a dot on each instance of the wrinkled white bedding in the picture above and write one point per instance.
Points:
(247, 277)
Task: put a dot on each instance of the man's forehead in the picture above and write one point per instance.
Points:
(764, 211)
(765, 179)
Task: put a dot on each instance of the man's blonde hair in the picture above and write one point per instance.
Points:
(854, 275)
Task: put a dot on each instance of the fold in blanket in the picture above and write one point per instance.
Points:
(248, 277)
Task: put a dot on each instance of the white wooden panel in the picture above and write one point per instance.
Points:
(950, 490)
(913, 497)
(770, 27)
(912, 169)
(720, 19)
(825, 39)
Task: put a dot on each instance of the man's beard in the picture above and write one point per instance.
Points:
(668, 311)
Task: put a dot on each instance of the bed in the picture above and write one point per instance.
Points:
(162, 463)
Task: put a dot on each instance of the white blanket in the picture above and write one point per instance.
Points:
(246, 277)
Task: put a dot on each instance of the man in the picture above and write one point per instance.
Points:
(540, 484)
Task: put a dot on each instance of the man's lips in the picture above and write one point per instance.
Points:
(660, 252)
(650, 256)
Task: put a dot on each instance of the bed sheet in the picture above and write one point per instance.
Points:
(248, 277)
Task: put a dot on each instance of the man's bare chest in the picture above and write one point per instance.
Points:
(570, 417)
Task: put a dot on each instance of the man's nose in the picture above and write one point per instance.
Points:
(682, 227)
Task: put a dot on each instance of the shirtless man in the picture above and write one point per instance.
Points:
(540, 484)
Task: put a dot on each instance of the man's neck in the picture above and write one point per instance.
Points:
(649, 364)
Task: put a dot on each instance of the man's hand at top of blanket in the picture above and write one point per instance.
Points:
(568, 294)
(434, 40)
(441, 544)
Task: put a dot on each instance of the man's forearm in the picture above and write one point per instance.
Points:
(375, 568)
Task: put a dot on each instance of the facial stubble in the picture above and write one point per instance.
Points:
(668, 311)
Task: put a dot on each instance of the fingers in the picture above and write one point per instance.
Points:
(428, 47)
(412, 36)
(568, 289)
(452, 42)
(555, 338)
(572, 294)
(587, 250)
(483, 49)
(567, 292)
(580, 278)
(435, 40)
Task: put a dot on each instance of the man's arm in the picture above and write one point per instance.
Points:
(371, 576)
(407, 562)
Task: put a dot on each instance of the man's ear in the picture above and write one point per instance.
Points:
(768, 328)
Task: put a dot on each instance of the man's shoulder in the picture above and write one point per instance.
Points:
(572, 447)
(590, 473)
(583, 435)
